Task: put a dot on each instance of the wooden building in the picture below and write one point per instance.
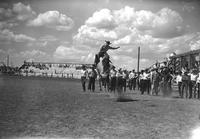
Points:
(188, 60)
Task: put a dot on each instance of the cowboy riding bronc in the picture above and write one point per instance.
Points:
(103, 51)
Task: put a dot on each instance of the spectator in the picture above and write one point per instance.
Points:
(148, 81)
(119, 80)
(124, 78)
(198, 85)
(113, 73)
(185, 83)
(92, 75)
(105, 81)
(132, 80)
(192, 83)
(179, 82)
(142, 82)
(144, 86)
(83, 77)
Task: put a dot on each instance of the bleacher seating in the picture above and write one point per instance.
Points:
(50, 71)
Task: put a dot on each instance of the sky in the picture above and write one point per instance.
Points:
(74, 30)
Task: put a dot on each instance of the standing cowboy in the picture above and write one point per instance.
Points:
(92, 75)
(83, 77)
(192, 83)
(113, 73)
(103, 51)
(132, 80)
(179, 82)
(185, 83)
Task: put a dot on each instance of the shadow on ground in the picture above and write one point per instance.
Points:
(126, 100)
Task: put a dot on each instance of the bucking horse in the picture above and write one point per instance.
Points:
(103, 69)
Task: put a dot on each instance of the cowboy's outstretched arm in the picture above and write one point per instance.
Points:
(113, 47)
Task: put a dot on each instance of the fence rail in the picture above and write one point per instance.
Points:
(46, 74)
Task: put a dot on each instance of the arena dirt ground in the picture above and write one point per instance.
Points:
(54, 108)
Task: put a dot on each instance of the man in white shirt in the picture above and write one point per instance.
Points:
(92, 75)
(124, 78)
(179, 82)
(198, 85)
(142, 82)
(185, 83)
(83, 77)
(192, 83)
(132, 80)
(113, 73)
(145, 81)
(119, 81)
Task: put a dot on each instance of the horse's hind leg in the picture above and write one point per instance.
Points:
(100, 84)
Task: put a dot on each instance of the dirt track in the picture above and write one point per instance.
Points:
(58, 108)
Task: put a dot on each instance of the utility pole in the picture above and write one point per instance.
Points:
(138, 65)
(7, 60)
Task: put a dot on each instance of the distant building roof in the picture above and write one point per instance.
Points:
(186, 53)
(76, 64)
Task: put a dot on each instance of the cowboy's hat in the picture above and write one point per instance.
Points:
(108, 42)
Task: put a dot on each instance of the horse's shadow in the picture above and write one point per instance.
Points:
(126, 100)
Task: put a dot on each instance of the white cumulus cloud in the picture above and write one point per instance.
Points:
(7, 35)
(102, 19)
(22, 11)
(5, 13)
(69, 54)
(53, 19)
(157, 33)
(18, 12)
(126, 25)
(32, 53)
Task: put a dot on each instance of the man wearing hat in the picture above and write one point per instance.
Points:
(185, 83)
(192, 82)
(92, 75)
(83, 77)
(113, 73)
(132, 80)
(103, 51)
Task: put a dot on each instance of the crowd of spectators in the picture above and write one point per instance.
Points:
(158, 80)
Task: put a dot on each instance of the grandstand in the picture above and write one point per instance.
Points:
(49, 69)
(188, 60)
